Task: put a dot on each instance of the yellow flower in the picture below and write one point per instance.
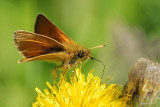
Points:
(81, 93)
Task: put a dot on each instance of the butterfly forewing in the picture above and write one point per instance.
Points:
(45, 27)
(31, 45)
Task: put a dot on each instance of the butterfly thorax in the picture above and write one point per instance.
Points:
(77, 54)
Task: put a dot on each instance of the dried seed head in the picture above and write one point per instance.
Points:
(144, 81)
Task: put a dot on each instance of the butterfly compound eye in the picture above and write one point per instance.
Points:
(80, 54)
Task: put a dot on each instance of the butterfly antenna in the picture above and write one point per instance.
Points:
(101, 63)
(100, 46)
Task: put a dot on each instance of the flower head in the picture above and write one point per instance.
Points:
(81, 93)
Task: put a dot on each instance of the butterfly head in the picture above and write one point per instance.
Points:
(83, 54)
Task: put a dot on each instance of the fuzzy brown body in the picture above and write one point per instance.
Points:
(49, 43)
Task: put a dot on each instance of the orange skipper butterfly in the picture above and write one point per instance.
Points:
(49, 43)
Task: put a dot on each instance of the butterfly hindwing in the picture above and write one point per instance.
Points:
(31, 45)
(51, 57)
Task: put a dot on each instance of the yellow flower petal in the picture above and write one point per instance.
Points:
(81, 93)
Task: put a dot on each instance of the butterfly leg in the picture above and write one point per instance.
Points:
(55, 74)
(64, 74)
(80, 65)
(73, 74)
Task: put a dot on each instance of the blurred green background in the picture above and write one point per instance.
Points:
(129, 28)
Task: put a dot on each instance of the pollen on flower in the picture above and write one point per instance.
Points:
(81, 93)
